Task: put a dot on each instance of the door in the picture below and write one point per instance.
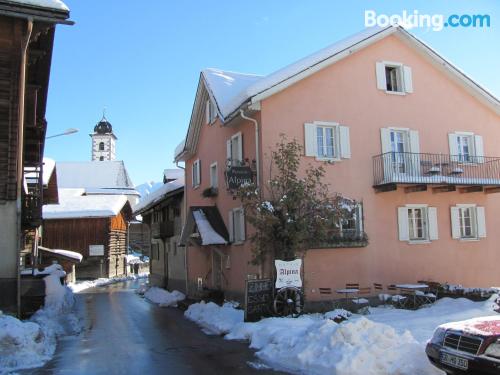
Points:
(217, 270)
(400, 151)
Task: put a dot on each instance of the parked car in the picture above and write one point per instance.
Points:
(467, 347)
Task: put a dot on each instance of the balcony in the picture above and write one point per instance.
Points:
(443, 172)
(163, 229)
(32, 197)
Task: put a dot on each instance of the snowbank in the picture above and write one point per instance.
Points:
(82, 285)
(213, 318)
(386, 342)
(28, 344)
(163, 297)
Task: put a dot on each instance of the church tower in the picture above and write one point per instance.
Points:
(103, 141)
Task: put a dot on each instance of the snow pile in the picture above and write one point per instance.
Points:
(136, 258)
(388, 341)
(82, 285)
(46, 271)
(28, 344)
(163, 297)
(213, 318)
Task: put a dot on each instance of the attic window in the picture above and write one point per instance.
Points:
(393, 78)
(210, 112)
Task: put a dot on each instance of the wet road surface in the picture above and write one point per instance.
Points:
(124, 334)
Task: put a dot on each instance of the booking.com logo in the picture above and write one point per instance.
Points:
(435, 21)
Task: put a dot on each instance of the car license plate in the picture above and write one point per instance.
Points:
(454, 361)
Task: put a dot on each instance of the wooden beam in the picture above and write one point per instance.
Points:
(444, 189)
(471, 189)
(492, 190)
(415, 188)
(385, 187)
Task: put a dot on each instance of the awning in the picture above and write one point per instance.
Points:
(204, 226)
(72, 256)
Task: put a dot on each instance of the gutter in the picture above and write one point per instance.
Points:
(37, 18)
(257, 155)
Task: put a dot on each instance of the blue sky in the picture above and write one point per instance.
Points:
(141, 60)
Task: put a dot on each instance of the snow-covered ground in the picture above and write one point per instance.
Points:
(30, 343)
(162, 297)
(386, 341)
(82, 285)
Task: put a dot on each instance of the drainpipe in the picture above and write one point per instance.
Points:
(257, 161)
(257, 156)
(20, 151)
(186, 264)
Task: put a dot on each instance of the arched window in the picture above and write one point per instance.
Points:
(101, 158)
(101, 146)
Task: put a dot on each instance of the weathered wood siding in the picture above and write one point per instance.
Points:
(10, 47)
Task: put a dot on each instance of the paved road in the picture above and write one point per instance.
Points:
(127, 335)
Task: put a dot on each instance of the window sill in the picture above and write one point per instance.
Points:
(469, 239)
(400, 93)
(238, 243)
(196, 187)
(421, 242)
(327, 159)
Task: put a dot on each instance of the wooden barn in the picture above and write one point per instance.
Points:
(26, 41)
(93, 225)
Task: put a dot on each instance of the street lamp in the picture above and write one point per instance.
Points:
(66, 132)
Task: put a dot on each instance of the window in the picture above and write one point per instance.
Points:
(352, 227)
(236, 225)
(327, 140)
(417, 223)
(101, 146)
(101, 158)
(394, 77)
(210, 111)
(235, 149)
(466, 147)
(214, 183)
(468, 222)
(196, 177)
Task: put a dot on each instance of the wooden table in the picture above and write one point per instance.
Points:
(347, 292)
(414, 288)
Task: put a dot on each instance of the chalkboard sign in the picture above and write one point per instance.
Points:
(258, 299)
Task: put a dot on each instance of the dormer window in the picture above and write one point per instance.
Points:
(101, 146)
(394, 77)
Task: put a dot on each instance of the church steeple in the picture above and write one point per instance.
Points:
(103, 141)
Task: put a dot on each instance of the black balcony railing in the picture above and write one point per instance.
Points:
(442, 169)
(32, 196)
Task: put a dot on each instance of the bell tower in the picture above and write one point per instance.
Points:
(103, 141)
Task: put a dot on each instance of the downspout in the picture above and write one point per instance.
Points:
(20, 154)
(186, 264)
(257, 162)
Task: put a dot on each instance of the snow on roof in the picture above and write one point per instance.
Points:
(67, 253)
(208, 235)
(52, 4)
(173, 174)
(112, 191)
(93, 174)
(230, 89)
(158, 194)
(233, 89)
(74, 206)
(48, 169)
(179, 148)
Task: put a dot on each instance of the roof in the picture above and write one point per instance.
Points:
(204, 225)
(48, 168)
(111, 191)
(74, 205)
(53, 11)
(173, 174)
(233, 91)
(51, 4)
(165, 191)
(67, 254)
(93, 174)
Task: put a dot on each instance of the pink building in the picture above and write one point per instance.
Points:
(402, 129)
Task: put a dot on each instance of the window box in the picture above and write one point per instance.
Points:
(210, 192)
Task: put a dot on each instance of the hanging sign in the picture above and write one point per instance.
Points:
(96, 250)
(288, 273)
(237, 176)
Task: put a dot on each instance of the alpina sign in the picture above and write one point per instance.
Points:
(288, 273)
(237, 176)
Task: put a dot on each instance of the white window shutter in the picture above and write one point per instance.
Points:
(345, 143)
(193, 174)
(385, 138)
(479, 148)
(240, 147)
(453, 143)
(407, 79)
(414, 157)
(198, 172)
(359, 218)
(455, 222)
(414, 142)
(404, 234)
(228, 151)
(242, 225)
(231, 226)
(433, 223)
(310, 140)
(380, 71)
(207, 111)
(481, 222)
